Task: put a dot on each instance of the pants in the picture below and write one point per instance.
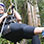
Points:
(35, 39)
(17, 32)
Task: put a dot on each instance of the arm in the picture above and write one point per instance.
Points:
(17, 15)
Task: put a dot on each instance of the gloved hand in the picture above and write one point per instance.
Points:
(13, 6)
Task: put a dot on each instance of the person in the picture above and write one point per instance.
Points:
(17, 31)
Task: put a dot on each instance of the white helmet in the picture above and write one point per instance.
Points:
(2, 4)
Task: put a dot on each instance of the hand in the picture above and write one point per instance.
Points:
(11, 6)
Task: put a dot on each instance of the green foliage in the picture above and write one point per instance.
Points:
(22, 9)
(41, 11)
(4, 41)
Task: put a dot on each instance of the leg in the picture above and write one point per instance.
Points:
(35, 39)
(18, 32)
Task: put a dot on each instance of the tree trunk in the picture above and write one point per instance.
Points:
(29, 14)
(36, 13)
